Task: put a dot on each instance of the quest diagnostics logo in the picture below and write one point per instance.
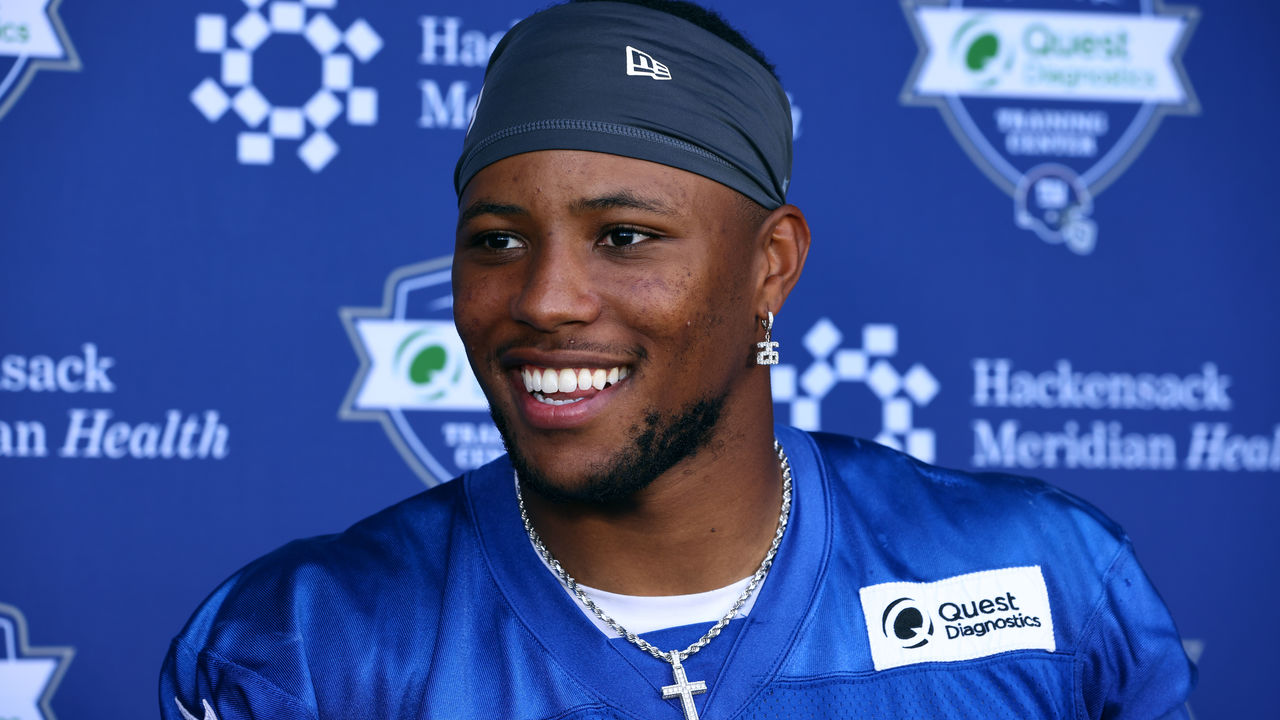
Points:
(978, 48)
(414, 378)
(255, 50)
(978, 614)
(801, 391)
(908, 623)
(427, 360)
(1053, 104)
(32, 38)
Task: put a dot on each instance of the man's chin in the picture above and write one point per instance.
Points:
(650, 449)
(589, 489)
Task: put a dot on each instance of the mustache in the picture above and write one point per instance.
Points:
(544, 344)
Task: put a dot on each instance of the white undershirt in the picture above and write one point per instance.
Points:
(645, 613)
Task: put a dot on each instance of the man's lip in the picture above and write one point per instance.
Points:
(546, 416)
(590, 402)
(560, 359)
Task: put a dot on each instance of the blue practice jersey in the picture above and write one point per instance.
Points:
(900, 590)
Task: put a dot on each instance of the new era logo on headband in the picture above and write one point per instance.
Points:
(642, 63)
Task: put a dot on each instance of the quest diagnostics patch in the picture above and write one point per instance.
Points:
(959, 618)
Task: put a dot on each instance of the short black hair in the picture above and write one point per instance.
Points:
(708, 20)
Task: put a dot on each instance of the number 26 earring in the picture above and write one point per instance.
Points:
(767, 351)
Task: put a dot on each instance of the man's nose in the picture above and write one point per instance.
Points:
(558, 289)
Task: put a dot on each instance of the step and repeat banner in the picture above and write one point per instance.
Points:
(1044, 243)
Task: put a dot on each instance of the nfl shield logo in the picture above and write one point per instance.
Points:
(1050, 100)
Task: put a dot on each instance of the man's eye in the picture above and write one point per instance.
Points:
(500, 241)
(623, 237)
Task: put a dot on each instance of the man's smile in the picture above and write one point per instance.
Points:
(559, 397)
(545, 382)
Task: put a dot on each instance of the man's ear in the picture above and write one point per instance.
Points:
(786, 245)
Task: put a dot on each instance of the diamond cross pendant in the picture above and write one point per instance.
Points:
(682, 688)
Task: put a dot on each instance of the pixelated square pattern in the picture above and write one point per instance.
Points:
(872, 365)
(235, 42)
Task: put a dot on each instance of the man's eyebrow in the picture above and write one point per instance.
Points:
(486, 207)
(622, 199)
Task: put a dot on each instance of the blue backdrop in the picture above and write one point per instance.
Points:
(1042, 244)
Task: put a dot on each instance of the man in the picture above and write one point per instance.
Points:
(623, 247)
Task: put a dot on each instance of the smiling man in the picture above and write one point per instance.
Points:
(652, 546)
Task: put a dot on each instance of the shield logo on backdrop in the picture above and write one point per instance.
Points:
(29, 676)
(31, 38)
(1052, 99)
(414, 377)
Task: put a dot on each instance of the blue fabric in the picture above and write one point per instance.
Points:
(438, 607)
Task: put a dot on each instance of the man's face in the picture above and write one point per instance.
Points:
(628, 283)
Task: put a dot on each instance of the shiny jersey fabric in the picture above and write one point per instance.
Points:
(438, 608)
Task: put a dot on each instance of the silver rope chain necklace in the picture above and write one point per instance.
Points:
(682, 688)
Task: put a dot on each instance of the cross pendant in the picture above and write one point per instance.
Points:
(768, 353)
(682, 688)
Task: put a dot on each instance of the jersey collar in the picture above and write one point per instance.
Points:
(748, 660)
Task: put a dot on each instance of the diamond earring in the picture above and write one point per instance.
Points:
(767, 351)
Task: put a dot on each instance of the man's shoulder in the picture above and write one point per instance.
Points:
(905, 519)
(401, 581)
(398, 552)
(406, 533)
(894, 481)
(897, 519)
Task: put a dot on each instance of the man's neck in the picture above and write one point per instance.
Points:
(705, 523)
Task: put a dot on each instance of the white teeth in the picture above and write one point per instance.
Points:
(568, 380)
(552, 401)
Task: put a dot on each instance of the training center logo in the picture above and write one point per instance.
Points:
(31, 38)
(29, 676)
(899, 393)
(241, 49)
(1053, 105)
(907, 622)
(414, 377)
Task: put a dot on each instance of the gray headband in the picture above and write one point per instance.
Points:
(627, 80)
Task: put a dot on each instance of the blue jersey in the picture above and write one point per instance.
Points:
(900, 590)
